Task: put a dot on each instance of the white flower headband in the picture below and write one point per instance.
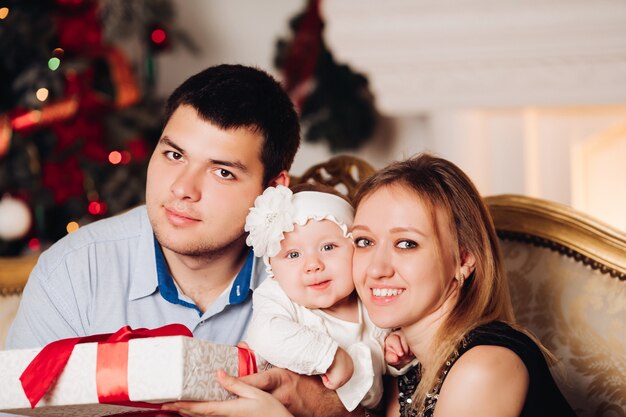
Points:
(278, 209)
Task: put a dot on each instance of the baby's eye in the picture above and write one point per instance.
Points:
(293, 255)
(361, 242)
(328, 246)
(406, 244)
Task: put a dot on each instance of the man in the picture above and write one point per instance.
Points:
(230, 131)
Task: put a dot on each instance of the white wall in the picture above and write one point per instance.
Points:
(505, 148)
(235, 32)
(228, 31)
(245, 32)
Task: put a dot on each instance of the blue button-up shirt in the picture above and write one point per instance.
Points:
(110, 274)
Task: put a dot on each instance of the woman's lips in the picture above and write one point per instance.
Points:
(383, 296)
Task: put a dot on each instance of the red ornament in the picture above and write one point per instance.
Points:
(303, 54)
(79, 30)
(81, 130)
(64, 178)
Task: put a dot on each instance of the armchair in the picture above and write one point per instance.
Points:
(567, 276)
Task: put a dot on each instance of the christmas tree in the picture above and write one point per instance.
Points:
(78, 119)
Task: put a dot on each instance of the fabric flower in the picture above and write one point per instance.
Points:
(271, 216)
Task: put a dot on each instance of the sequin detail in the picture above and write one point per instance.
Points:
(407, 384)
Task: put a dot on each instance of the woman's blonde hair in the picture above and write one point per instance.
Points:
(484, 297)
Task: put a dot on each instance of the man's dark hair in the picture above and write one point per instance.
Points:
(234, 96)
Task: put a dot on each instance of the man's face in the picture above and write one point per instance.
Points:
(201, 182)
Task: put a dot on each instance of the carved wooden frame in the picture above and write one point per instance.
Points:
(560, 228)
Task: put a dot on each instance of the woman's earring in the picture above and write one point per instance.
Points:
(461, 279)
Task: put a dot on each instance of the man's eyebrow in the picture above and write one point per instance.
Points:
(233, 164)
(167, 141)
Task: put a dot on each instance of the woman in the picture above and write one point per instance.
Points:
(427, 262)
(431, 267)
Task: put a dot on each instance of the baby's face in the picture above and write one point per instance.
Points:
(314, 265)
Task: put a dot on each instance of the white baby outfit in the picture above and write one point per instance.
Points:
(305, 341)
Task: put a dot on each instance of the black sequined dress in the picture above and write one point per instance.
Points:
(543, 398)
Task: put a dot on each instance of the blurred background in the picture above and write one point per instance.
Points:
(527, 97)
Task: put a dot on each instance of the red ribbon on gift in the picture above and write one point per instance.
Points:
(247, 361)
(111, 366)
(112, 363)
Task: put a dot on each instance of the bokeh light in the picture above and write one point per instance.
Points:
(53, 63)
(34, 244)
(4, 12)
(158, 36)
(26, 120)
(115, 157)
(42, 94)
(72, 227)
(126, 157)
(96, 207)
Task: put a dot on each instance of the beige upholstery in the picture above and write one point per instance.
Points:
(567, 274)
(8, 308)
(13, 275)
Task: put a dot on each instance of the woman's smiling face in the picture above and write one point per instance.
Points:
(403, 262)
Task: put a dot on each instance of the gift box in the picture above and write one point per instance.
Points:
(108, 378)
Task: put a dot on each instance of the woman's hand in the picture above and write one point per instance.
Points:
(252, 401)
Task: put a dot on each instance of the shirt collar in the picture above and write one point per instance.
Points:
(143, 281)
(166, 284)
(240, 290)
(246, 280)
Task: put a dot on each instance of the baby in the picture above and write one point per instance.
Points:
(306, 316)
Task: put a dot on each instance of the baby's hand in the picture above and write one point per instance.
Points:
(340, 371)
(397, 351)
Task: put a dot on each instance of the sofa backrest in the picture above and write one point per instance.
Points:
(567, 276)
